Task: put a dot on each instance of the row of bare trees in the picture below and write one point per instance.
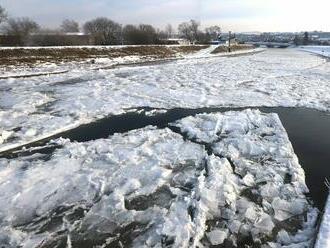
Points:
(107, 32)
(3, 14)
(191, 31)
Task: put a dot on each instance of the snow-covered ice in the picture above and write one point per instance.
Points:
(222, 178)
(321, 50)
(48, 104)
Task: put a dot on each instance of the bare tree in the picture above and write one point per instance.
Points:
(3, 14)
(213, 32)
(21, 28)
(130, 32)
(104, 31)
(194, 28)
(184, 31)
(169, 30)
(306, 38)
(189, 30)
(149, 33)
(70, 26)
(142, 34)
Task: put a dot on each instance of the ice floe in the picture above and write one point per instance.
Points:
(214, 179)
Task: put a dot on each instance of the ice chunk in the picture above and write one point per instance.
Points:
(283, 237)
(234, 226)
(248, 180)
(286, 209)
(217, 236)
(5, 135)
(269, 191)
(264, 223)
(251, 214)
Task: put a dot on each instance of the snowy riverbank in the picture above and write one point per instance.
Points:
(321, 50)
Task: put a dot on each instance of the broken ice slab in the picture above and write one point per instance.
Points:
(270, 194)
(154, 187)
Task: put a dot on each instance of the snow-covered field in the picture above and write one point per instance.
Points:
(153, 188)
(31, 108)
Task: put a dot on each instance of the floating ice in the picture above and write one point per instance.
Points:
(265, 201)
(152, 188)
(217, 236)
(53, 103)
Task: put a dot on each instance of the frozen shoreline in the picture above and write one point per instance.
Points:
(320, 50)
(101, 63)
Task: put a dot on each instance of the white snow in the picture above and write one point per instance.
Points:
(217, 236)
(321, 50)
(150, 187)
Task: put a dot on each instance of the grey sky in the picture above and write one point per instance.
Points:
(236, 15)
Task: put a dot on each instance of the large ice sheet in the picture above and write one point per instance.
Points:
(272, 183)
(229, 178)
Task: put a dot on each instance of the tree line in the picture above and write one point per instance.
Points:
(105, 31)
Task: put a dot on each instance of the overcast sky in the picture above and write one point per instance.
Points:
(236, 15)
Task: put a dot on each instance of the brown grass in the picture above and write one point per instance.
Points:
(224, 49)
(188, 49)
(29, 56)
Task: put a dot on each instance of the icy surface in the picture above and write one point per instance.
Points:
(38, 106)
(323, 238)
(234, 179)
(321, 50)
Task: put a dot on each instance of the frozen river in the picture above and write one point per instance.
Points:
(35, 107)
(229, 178)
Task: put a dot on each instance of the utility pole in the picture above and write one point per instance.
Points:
(229, 49)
